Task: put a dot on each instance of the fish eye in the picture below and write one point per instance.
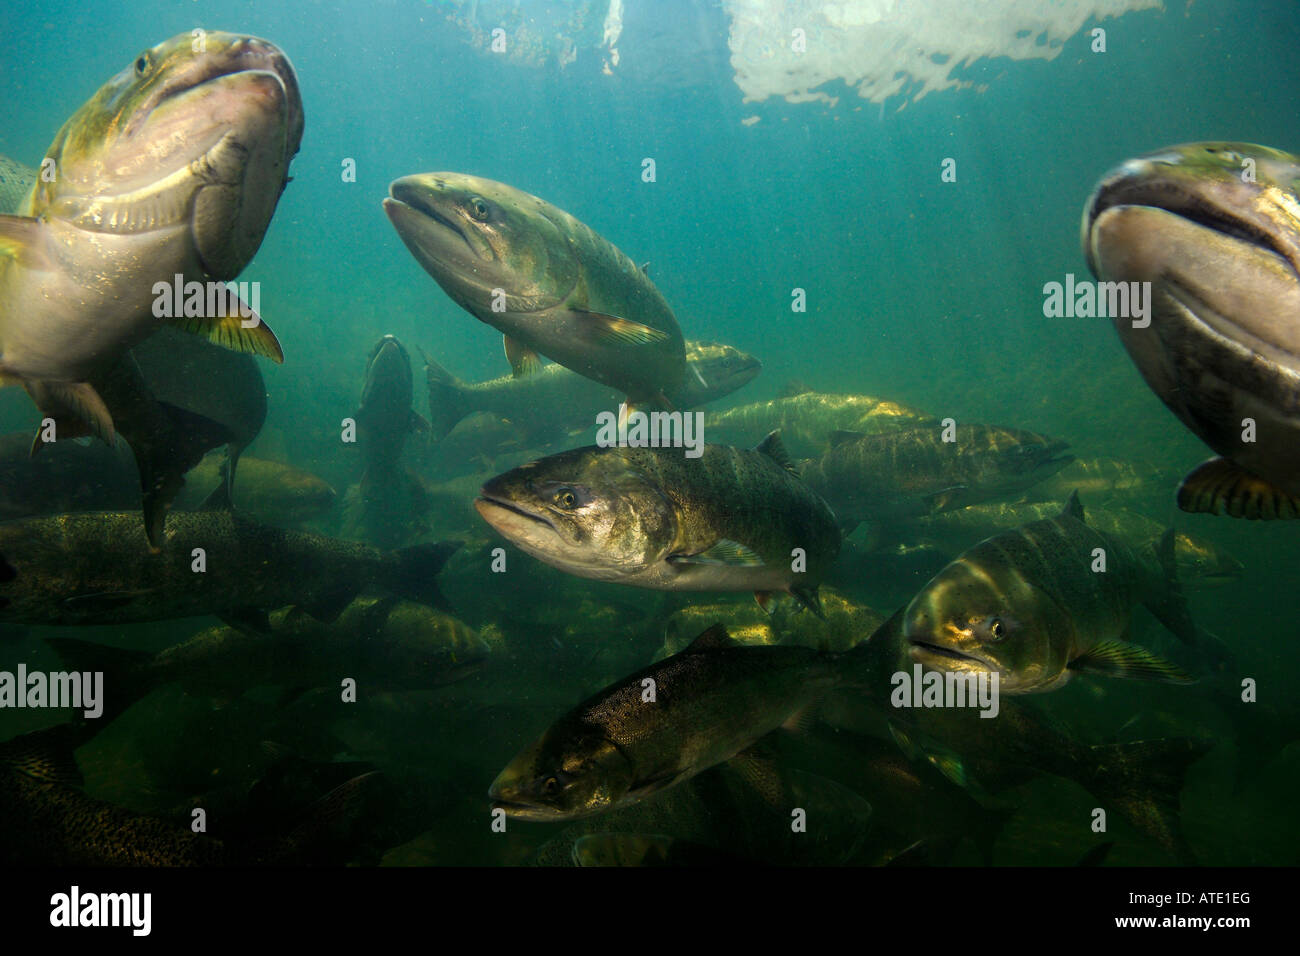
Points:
(479, 209)
(997, 630)
(566, 497)
(551, 786)
(142, 64)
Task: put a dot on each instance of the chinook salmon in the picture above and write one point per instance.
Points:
(556, 401)
(267, 491)
(1215, 229)
(94, 568)
(172, 397)
(1201, 563)
(1034, 606)
(545, 280)
(731, 520)
(385, 419)
(380, 508)
(807, 420)
(47, 820)
(1142, 779)
(710, 702)
(902, 474)
(381, 643)
(173, 168)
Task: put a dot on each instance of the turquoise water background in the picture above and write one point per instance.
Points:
(918, 290)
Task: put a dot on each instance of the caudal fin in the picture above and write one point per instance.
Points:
(1166, 600)
(447, 402)
(415, 577)
(163, 458)
(1143, 780)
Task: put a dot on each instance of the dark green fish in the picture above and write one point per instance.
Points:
(730, 520)
(555, 402)
(267, 491)
(1035, 606)
(382, 644)
(895, 475)
(807, 420)
(663, 725)
(380, 509)
(1142, 780)
(545, 280)
(1201, 563)
(46, 820)
(94, 568)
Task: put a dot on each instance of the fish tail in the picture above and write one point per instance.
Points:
(125, 677)
(1166, 600)
(162, 460)
(415, 577)
(1143, 780)
(447, 400)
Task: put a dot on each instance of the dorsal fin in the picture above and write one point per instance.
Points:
(1073, 507)
(712, 639)
(774, 448)
(841, 436)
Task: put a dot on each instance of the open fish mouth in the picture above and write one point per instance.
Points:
(923, 649)
(438, 236)
(242, 57)
(1140, 183)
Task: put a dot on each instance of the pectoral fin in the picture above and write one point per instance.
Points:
(75, 398)
(22, 239)
(723, 552)
(1221, 487)
(1120, 659)
(229, 332)
(610, 330)
(65, 429)
(523, 360)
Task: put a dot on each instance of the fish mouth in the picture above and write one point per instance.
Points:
(493, 509)
(1223, 253)
(433, 236)
(1217, 204)
(387, 353)
(920, 650)
(237, 57)
(525, 811)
